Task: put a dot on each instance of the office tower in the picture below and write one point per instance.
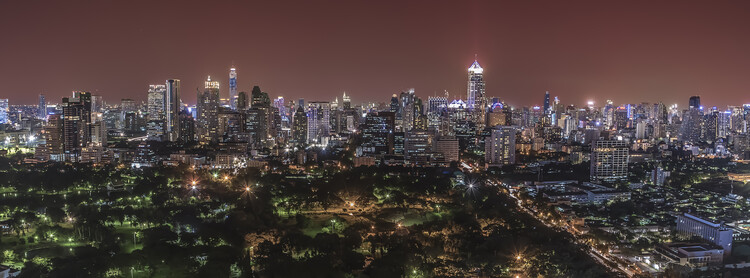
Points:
(395, 106)
(232, 126)
(155, 104)
(500, 146)
(76, 119)
(233, 88)
(418, 147)
(208, 112)
(186, 128)
(278, 103)
(4, 109)
(447, 147)
(256, 125)
(41, 109)
(710, 126)
(620, 118)
(53, 136)
(156, 112)
(347, 102)
(299, 131)
(318, 122)
(689, 225)
(691, 126)
(242, 101)
(546, 103)
(475, 90)
(408, 110)
(259, 98)
(609, 160)
(97, 103)
(724, 124)
(98, 129)
(437, 108)
(695, 102)
(475, 99)
(172, 109)
(377, 132)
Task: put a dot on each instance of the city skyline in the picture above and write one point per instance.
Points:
(567, 49)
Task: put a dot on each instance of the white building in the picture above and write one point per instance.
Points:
(689, 225)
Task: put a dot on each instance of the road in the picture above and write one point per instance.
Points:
(603, 259)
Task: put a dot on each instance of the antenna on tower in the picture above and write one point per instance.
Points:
(475, 57)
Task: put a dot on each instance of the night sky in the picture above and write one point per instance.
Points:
(627, 51)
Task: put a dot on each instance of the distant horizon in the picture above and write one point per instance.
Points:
(628, 52)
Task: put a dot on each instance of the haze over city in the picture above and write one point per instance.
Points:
(628, 52)
(374, 139)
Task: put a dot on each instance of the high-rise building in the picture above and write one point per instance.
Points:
(53, 135)
(259, 98)
(97, 103)
(318, 122)
(41, 109)
(377, 133)
(4, 109)
(299, 132)
(609, 160)
(447, 146)
(156, 112)
(186, 128)
(695, 102)
(208, 112)
(233, 88)
(691, 126)
(76, 119)
(475, 91)
(242, 101)
(500, 146)
(347, 102)
(475, 95)
(546, 102)
(418, 145)
(172, 109)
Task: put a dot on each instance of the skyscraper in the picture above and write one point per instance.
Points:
(609, 160)
(233, 88)
(242, 101)
(475, 90)
(695, 102)
(172, 110)
(41, 109)
(299, 133)
(76, 119)
(318, 122)
(4, 108)
(155, 108)
(475, 98)
(546, 103)
(208, 112)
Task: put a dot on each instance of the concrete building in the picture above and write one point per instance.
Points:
(689, 225)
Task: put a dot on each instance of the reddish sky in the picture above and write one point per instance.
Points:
(627, 51)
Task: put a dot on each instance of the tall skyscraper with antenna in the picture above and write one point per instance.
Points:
(233, 88)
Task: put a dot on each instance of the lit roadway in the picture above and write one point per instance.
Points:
(603, 259)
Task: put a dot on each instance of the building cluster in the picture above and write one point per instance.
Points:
(406, 130)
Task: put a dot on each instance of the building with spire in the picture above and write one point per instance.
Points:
(475, 97)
